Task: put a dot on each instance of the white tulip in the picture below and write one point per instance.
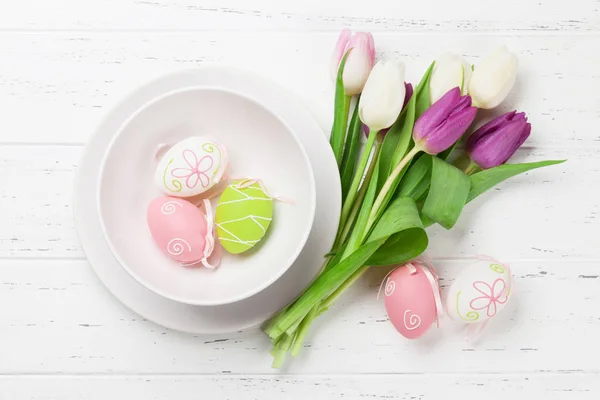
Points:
(493, 79)
(383, 95)
(450, 71)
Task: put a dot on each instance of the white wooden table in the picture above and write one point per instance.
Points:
(64, 63)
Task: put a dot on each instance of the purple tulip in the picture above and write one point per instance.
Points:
(495, 142)
(409, 93)
(407, 96)
(442, 124)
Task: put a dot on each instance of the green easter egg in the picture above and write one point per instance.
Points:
(243, 215)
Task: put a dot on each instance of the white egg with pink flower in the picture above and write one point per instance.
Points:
(479, 292)
(191, 167)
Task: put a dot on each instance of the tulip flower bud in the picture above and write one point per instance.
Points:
(493, 79)
(495, 142)
(442, 124)
(450, 70)
(383, 95)
(408, 94)
(359, 61)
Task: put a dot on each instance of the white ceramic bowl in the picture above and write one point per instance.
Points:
(259, 145)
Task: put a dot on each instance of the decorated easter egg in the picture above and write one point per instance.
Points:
(191, 167)
(479, 292)
(410, 299)
(179, 228)
(243, 215)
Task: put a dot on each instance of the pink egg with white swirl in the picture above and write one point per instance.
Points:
(412, 299)
(180, 229)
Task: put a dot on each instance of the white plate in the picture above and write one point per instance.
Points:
(259, 145)
(230, 317)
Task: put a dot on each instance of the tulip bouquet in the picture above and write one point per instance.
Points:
(409, 175)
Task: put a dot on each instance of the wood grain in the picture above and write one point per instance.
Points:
(275, 387)
(308, 15)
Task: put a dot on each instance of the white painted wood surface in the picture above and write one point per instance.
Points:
(64, 63)
(185, 387)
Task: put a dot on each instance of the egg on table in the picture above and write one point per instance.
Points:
(191, 167)
(181, 230)
(479, 292)
(243, 215)
(410, 299)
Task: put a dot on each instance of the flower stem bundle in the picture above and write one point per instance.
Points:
(403, 181)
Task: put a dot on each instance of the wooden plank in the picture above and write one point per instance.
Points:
(550, 213)
(275, 387)
(85, 74)
(308, 15)
(41, 177)
(56, 318)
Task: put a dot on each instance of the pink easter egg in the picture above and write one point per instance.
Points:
(409, 301)
(178, 228)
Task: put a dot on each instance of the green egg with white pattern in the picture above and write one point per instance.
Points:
(243, 215)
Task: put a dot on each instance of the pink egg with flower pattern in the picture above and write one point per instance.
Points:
(410, 300)
(479, 292)
(179, 228)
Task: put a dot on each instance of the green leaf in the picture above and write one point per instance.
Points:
(400, 248)
(389, 147)
(358, 234)
(416, 181)
(405, 136)
(486, 179)
(337, 257)
(400, 220)
(418, 103)
(422, 92)
(340, 116)
(324, 285)
(448, 193)
(405, 236)
(351, 151)
(389, 188)
(448, 152)
(398, 139)
(427, 222)
(400, 214)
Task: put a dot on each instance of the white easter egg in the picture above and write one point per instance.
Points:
(191, 167)
(479, 292)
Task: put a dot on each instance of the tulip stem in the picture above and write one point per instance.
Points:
(358, 177)
(472, 168)
(340, 126)
(341, 289)
(375, 211)
(345, 229)
(303, 330)
(342, 236)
